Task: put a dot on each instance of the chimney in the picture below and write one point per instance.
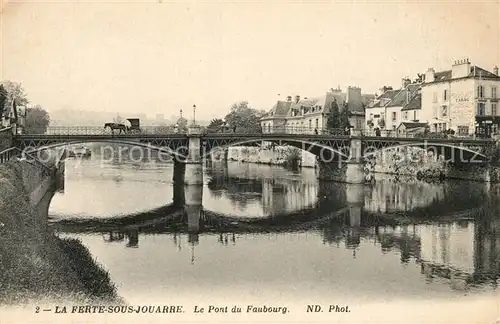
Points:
(460, 69)
(289, 98)
(495, 70)
(429, 75)
(384, 89)
(297, 99)
(406, 82)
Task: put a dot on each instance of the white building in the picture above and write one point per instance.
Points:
(310, 115)
(464, 99)
(392, 107)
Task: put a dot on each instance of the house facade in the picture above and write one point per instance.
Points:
(390, 109)
(464, 99)
(310, 115)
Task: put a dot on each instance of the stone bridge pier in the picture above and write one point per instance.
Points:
(355, 197)
(188, 181)
(344, 169)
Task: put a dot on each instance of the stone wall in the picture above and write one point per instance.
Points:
(276, 156)
(407, 161)
(421, 164)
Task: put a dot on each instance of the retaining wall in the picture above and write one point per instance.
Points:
(275, 156)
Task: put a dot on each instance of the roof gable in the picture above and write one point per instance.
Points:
(415, 103)
(401, 97)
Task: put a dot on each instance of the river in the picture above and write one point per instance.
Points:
(391, 241)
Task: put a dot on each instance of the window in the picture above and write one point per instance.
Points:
(359, 124)
(493, 108)
(480, 109)
(415, 116)
(393, 116)
(317, 122)
(377, 116)
(310, 123)
(494, 92)
(371, 116)
(444, 111)
(406, 115)
(434, 97)
(445, 95)
(480, 92)
(463, 130)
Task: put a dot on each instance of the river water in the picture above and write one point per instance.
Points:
(392, 241)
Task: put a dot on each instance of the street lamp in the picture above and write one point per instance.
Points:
(194, 114)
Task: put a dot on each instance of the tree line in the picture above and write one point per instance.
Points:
(241, 118)
(13, 96)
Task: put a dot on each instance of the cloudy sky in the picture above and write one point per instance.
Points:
(159, 57)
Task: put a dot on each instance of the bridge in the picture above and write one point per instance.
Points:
(340, 156)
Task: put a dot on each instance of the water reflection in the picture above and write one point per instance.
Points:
(408, 236)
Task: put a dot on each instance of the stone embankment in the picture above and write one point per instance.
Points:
(426, 166)
(277, 155)
(402, 161)
(35, 264)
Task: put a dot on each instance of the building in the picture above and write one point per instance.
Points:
(411, 128)
(275, 119)
(387, 111)
(310, 115)
(464, 99)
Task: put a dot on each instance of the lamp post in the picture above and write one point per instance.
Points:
(194, 114)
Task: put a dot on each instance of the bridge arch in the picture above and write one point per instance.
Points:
(450, 152)
(326, 149)
(180, 153)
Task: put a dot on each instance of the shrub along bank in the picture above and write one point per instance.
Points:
(35, 264)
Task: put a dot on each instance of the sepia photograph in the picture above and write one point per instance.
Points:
(249, 161)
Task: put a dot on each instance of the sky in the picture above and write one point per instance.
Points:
(163, 56)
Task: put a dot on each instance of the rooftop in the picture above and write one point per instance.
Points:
(415, 103)
(475, 72)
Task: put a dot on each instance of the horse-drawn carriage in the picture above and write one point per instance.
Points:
(134, 127)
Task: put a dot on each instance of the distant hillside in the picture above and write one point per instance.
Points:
(69, 117)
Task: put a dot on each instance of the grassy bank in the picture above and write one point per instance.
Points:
(34, 263)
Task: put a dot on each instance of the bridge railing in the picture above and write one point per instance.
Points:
(6, 130)
(168, 130)
(303, 130)
(97, 130)
(9, 154)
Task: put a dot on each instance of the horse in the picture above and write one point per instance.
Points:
(114, 126)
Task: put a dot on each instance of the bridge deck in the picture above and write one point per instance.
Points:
(264, 136)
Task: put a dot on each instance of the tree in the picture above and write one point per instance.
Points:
(216, 125)
(15, 97)
(242, 118)
(182, 125)
(3, 99)
(344, 117)
(333, 120)
(37, 120)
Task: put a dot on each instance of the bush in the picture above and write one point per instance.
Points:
(293, 157)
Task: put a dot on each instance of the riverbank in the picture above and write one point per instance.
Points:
(34, 263)
(409, 161)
